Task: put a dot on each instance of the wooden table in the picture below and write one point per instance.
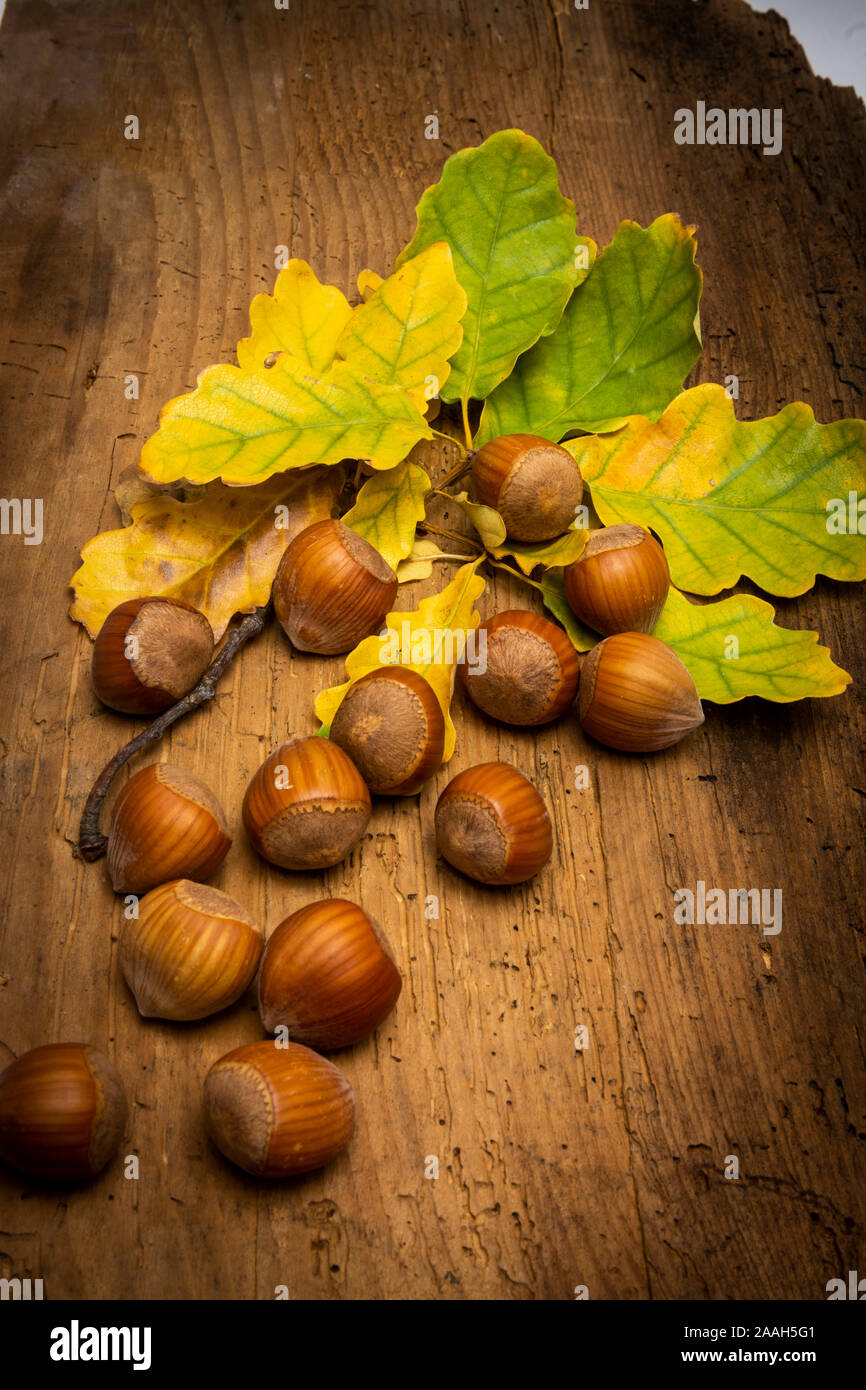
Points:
(557, 1167)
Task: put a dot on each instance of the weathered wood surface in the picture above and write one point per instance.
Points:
(558, 1168)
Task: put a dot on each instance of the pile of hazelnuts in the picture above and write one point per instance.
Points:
(326, 977)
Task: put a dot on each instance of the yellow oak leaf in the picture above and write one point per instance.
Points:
(302, 317)
(244, 426)
(388, 508)
(220, 553)
(368, 283)
(419, 563)
(410, 326)
(767, 499)
(431, 640)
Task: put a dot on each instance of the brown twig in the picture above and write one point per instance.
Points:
(449, 535)
(462, 467)
(91, 841)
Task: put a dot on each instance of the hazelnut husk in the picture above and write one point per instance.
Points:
(331, 589)
(307, 806)
(327, 974)
(620, 580)
(531, 672)
(391, 725)
(492, 824)
(533, 483)
(149, 653)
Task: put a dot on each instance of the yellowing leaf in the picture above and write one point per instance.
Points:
(486, 520)
(733, 649)
(419, 564)
(220, 553)
(428, 640)
(368, 283)
(408, 329)
(244, 426)
(388, 509)
(302, 317)
(731, 498)
(516, 255)
(626, 342)
(561, 551)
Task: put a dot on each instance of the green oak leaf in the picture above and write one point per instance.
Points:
(243, 426)
(731, 498)
(733, 648)
(512, 236)
(388, 508)
(626, 342)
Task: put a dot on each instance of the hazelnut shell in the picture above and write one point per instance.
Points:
(191, 951)
(534, 485)
(620, 581)
(307, 806)
(391, 725)
(636, 695)
(165, 824)
(531, 673)
(327, 974)
(62, 1111)
(331, 589)
(170, 645)
(278, 1111)
(492, 824)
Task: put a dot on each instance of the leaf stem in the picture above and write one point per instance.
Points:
(467, 433)
(91, 842)
(515, 573)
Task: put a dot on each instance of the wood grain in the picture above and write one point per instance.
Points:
(558, 1167)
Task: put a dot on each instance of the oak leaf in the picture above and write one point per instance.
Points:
(516, 254)
(220, 553)
(731, 498)
(419, 563)
(302, 317)
(625, 344)
(409, 327)
(733, 649)
(562, 550)
(388, 508)
(244, 426)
